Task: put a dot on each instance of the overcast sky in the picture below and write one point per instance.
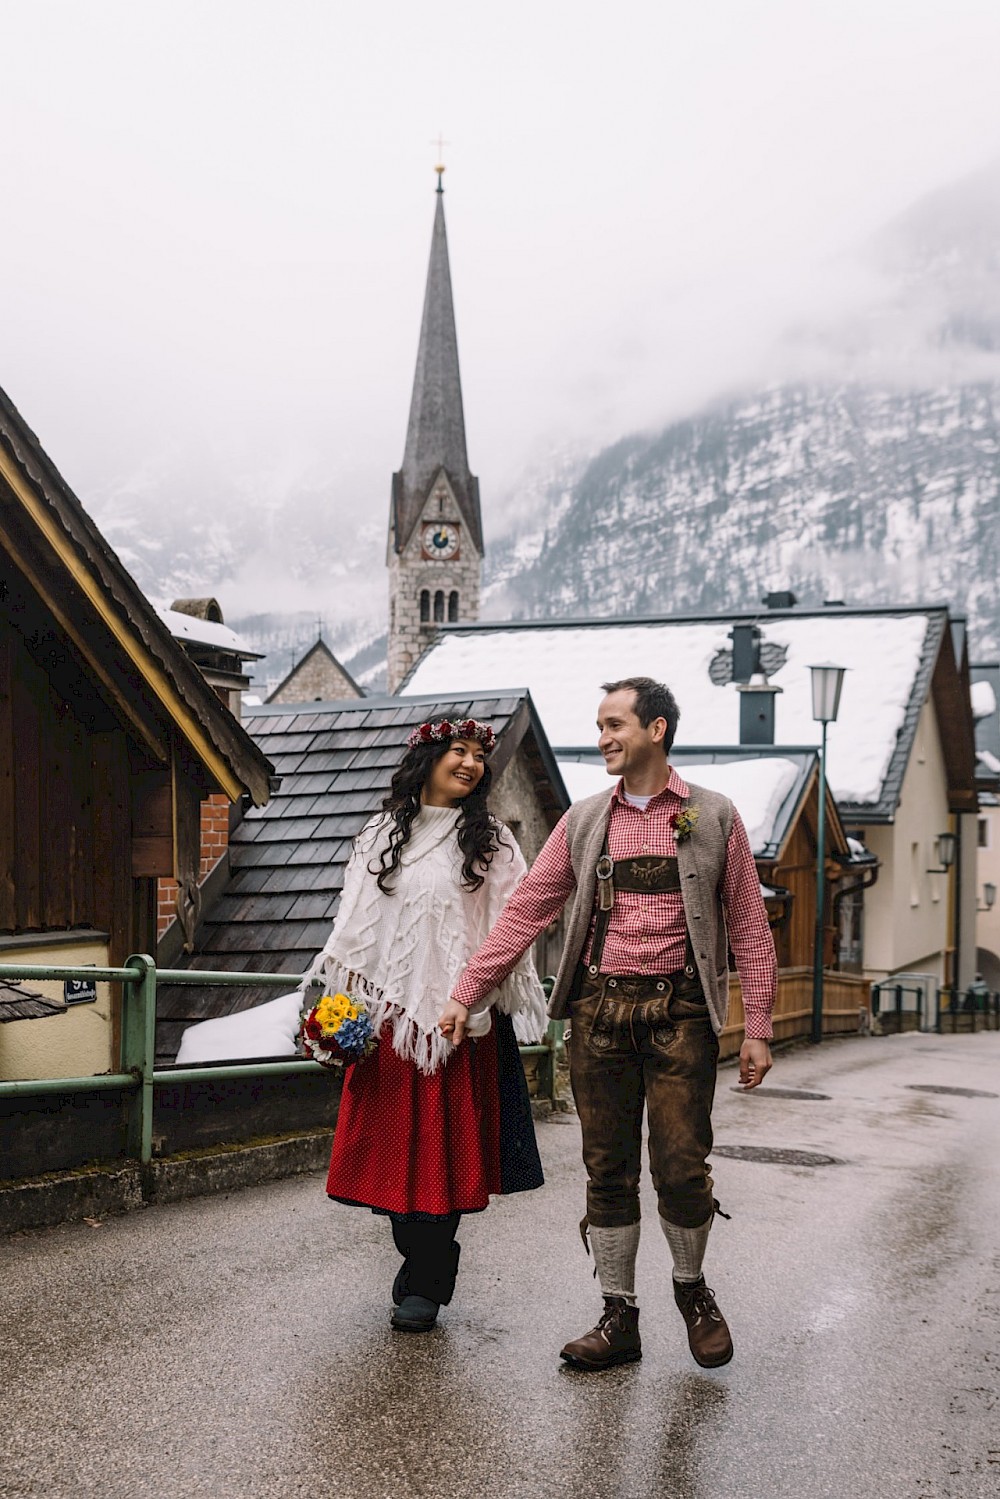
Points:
(217, 214)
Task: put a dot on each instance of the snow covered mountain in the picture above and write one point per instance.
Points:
(864, 494)
(874, 477)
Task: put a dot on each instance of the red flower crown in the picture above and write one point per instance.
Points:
(469, 728)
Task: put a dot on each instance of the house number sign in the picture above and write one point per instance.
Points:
(80, 991)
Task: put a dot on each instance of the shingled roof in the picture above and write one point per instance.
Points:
(287, 859)
(108, 620)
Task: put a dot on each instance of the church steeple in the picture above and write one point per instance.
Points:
(435, 434)
(435, 526)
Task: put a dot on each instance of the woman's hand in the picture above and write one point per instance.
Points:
(452, 1022)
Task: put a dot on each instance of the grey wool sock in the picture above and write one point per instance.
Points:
(614, 1251)
(687, 1245)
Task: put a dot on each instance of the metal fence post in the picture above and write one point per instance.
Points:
(139, 1052)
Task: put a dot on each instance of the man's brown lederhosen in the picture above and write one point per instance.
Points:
(642, 1039)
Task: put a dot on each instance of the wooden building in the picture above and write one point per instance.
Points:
(110, 739)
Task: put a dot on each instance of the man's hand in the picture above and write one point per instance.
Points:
(452, 1022)
(755, 1063)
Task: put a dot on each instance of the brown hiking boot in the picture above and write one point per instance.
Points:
(708, 1335)
(615, 1339)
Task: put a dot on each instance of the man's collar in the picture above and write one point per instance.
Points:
(675, 787)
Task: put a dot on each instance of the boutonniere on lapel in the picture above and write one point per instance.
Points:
(685, 823)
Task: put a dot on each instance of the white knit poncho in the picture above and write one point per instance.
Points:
(403, 953)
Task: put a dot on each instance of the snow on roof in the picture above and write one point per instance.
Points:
(757, 788)
(203, 632)
(564, 666)
(984, 702)
(989, 760)
(268, 1030)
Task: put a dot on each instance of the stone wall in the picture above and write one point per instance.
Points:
(317, 678)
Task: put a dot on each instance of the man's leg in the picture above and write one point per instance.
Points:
(607, 1090)
(680, 1073)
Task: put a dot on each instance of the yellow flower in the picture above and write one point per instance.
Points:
(334, 1009)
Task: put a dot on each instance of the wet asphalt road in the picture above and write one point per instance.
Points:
(239, 1346)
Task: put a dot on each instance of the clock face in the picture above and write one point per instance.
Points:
(440, 541)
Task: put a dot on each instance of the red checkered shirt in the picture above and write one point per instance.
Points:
(646, 933)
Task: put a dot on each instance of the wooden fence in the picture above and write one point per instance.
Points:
(844, 996)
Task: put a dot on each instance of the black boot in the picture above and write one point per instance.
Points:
(426, 1279)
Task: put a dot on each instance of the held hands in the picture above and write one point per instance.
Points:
(755, 1064)
(452, 1022)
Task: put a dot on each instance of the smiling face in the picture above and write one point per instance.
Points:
(458, 771)
(629, 750)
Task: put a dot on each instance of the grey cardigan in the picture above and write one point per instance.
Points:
(701, 861)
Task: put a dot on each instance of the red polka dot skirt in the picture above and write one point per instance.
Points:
(409, 1142)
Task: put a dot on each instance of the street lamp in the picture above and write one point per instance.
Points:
(989, 896)
(827, 682)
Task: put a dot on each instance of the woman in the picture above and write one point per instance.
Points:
(428, 1131)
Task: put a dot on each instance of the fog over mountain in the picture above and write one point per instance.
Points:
(863, 463)
(872, 475)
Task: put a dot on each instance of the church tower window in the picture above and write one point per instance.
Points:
(439, 607)
(453, 607)
(425, 605)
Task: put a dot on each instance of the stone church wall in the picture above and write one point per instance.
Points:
(317, 678)
(410, 574)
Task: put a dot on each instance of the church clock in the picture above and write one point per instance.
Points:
(439, 541)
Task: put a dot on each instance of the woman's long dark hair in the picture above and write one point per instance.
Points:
(478, 835)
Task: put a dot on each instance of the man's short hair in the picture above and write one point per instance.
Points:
(652, 700)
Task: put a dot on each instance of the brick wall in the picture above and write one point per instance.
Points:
(214, 842)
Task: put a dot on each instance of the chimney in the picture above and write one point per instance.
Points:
(757, 710)
(746, 651)
(784, 600)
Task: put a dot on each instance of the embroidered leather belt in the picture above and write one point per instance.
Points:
(646, 875)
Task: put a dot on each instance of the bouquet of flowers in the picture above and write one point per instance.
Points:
(337, 1030)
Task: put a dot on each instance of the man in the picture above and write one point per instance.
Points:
(665, 885)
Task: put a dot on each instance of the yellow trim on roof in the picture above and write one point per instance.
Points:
(132, 646)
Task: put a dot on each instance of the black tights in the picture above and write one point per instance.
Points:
(430, 1256)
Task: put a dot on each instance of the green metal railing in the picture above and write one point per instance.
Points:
(138, 1076)
(968, 1005)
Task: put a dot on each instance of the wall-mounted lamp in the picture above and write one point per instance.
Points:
(989, 896)
(946, 852)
